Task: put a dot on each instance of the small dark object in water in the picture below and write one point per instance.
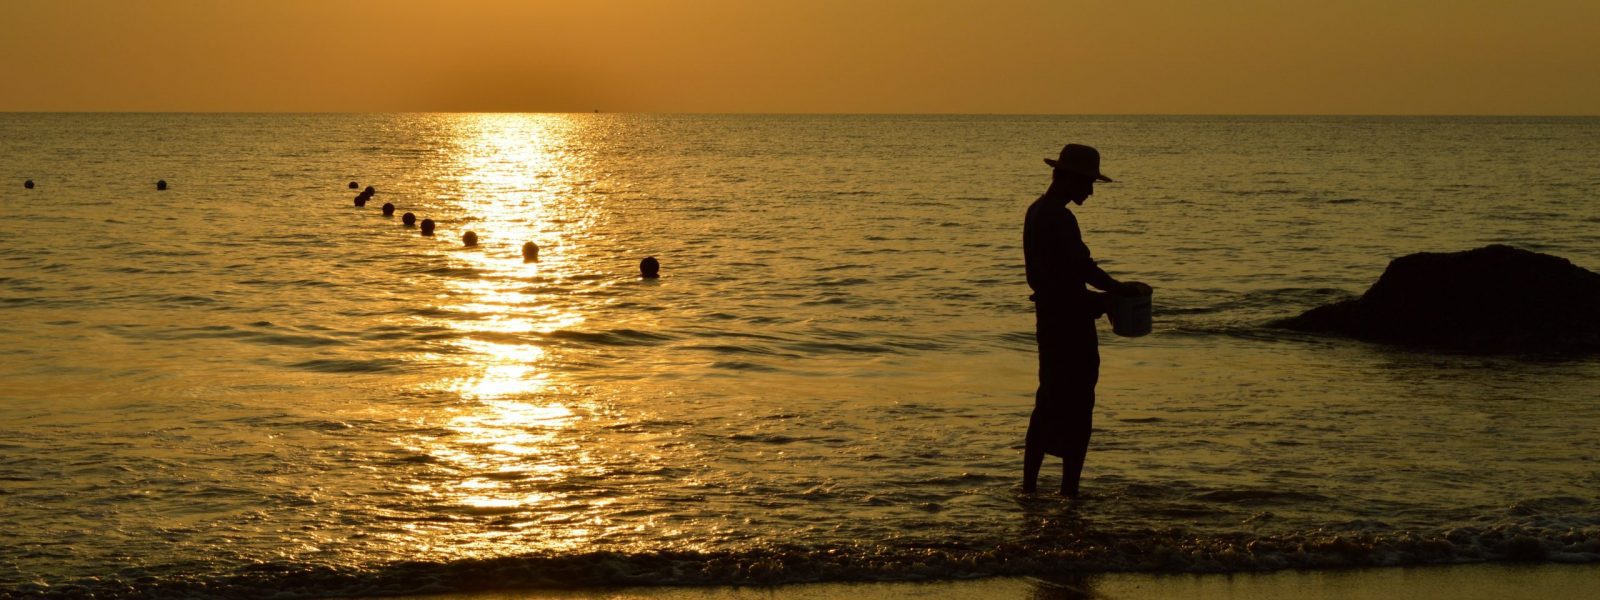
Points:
(161, 184)
(427, 227)
(28, 184)
(408, 219)
(530, 252)
(388, 209)
(354, 185)
(1488, 300)
(469, 239)
(649, 268)
(369, 191)
(361, 200)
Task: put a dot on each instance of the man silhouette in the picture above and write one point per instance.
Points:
(1058, 265)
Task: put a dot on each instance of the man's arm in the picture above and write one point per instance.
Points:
(1098, 277)
(1092, 273)
(1079, 259)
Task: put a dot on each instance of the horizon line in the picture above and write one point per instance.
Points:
(819, 113)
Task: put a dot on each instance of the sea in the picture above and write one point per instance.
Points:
(247, 386)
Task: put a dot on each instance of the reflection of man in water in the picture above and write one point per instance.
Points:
(1058, 266)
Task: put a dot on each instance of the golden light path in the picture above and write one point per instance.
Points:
(515, 182)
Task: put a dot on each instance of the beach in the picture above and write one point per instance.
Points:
(1463, 582)
(248, 384)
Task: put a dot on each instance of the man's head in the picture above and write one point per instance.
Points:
(1075, 172)
(1072, 187)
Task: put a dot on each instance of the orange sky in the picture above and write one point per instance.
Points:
(881, 56)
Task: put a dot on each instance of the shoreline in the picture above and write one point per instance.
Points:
(1442, 582)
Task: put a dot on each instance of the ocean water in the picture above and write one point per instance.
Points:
(246, 386)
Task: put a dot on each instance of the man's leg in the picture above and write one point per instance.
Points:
(1032, 459)
(1039, 428)
(1077, 447)
(1045, 420)
(1082, 375)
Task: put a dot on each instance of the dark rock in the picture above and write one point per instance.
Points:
(1492, 299)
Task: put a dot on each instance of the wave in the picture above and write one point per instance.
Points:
(1262, 496)
(281, 337)
(442, 271)
(1060, 545)
(735, 365)
(1259, 301)
(348, 365)
(613, 337)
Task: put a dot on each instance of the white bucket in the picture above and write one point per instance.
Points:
(1130, 315)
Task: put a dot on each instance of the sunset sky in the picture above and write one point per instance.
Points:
(1533, 57)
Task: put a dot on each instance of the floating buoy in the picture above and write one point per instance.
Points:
(650, 268)
(408, 220)
(354, 185)
(28, 184)
(161, 184)
(427, 227)
(469, 239)
(361, 200)
(388, 209)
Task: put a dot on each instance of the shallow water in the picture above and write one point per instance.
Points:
(245, 383)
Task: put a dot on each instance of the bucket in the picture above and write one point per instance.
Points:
(1130, 314)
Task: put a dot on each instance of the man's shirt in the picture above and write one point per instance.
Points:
(1058, 262)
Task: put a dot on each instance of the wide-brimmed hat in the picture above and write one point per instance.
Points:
(1079, 159)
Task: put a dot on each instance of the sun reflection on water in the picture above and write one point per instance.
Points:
(515, 178)
(509, 444)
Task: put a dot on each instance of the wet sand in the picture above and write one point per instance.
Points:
(1463, 582)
